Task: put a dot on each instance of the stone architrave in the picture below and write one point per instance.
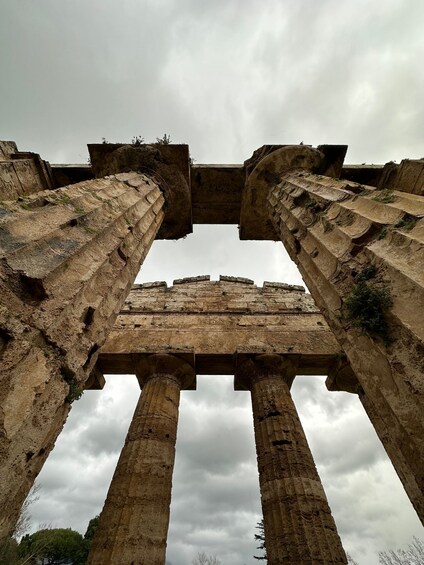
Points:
(299, 528)
(68, 259)
(345, 238)
(134, 522)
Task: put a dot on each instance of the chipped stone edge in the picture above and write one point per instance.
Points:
(192, 279)
(242, 280)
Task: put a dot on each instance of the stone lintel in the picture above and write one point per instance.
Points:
(167, 164)
(63, 174)
(216, 193)
(180, 364)
(214, 364)
(368, 175)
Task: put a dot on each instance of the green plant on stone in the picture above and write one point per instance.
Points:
(367, 273)
(328, 226)
(164, 140)
(137, 140)
(64, 198)
(367, 305)
(382, 233)
(75, 391)
(311, 203)
(407, 223)
(386, 196)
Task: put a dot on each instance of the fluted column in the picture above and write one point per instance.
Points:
(299, 527)
(357, 245)
(134, 522)
(68, 259)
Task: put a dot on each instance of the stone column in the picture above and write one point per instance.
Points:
(357, 243)
(68, 259)
(299, 527)
(134, 522)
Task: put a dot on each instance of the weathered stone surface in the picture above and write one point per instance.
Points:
(337, 233)
(215, 319)
(299, 528)
(134, 522)
(22, 173)
(168, 165)
(67, 261)
(192, 279)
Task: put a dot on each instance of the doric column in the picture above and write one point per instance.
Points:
(68, 259)
(134, 522)
(360, 251)
(299, 527)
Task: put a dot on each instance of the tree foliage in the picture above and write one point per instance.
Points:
(58, 546)
(9, 551)
(91, 529)
(260, 537)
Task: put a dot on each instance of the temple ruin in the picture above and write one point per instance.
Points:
(73, 238)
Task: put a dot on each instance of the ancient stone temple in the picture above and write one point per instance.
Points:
(72, 240)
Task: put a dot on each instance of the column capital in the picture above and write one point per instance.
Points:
(175, 366)
(251, 368)
(341, 377)
(268, 172)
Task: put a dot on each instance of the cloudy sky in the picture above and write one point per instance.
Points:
(225, 76)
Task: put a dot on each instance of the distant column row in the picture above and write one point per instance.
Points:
(299, 527)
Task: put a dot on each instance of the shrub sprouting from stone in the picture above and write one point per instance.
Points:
(164, 140)
(75, 391)
(367, 305)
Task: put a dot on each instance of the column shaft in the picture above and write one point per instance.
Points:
(299, 527)
(351, 241)
(68, 260)
(134, 522)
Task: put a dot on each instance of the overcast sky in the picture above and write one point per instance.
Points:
(225, 76)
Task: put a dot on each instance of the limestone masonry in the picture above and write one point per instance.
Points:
(72, 239)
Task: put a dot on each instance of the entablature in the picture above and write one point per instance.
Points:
(216, 319)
